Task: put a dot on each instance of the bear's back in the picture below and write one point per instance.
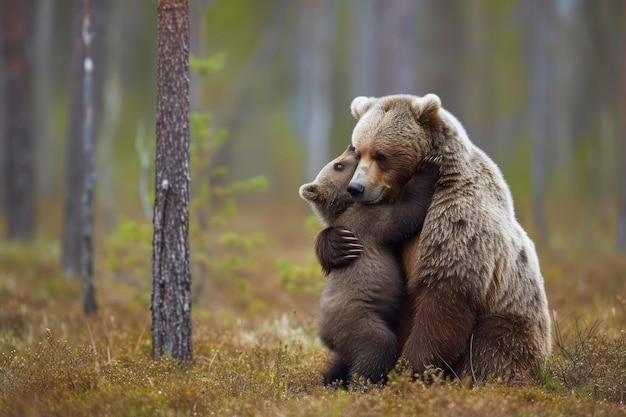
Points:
(472, 221)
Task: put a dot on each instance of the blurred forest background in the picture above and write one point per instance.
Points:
(539, 85)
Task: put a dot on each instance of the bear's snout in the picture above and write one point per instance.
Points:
(356, 190)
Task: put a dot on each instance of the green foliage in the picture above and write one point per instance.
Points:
(215, 250)
(129, 248)
(298, 279)
(207, 66)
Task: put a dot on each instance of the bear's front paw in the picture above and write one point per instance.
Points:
(337, 247)
(430, 164)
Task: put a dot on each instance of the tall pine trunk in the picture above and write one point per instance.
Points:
(171, 277)
(19, 172)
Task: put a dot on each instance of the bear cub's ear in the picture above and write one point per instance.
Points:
(360, 105)
(309, 192)
(426, 109)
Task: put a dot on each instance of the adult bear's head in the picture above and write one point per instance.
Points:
(391, 137)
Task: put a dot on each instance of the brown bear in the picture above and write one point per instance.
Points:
(360, 303)
(476, 305)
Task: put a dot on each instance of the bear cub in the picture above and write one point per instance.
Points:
(360, 303)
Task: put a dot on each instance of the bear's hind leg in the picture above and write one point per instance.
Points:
(337, 371)
(501, 348)
(376, 353)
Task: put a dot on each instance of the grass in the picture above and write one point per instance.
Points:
(260, 355)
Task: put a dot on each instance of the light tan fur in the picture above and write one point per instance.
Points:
(477, 305)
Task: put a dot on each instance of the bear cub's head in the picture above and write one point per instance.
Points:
(328, 193)
(392, 135)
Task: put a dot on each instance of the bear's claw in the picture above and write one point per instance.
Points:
(337, 247)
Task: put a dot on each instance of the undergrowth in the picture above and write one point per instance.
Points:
(589, 364)
(54, 361)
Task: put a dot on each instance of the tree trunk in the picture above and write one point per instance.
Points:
(397, 55)
(86, 251)
(476, 88)
(540, 97)
(197, 46)
(621, 228)
(315, 107)
(115, 49)
(365, 62)
(19, 173)
(171, 277)
(74, 163)
(46, 151)
(74, 160)
(3, 124)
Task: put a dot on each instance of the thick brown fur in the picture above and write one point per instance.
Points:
(476, 305)
(360, 302)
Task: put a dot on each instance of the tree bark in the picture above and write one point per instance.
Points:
(74, 160)
(171, 277)
(19, 171)
(86, 252)
(74, 169)
(621, 228)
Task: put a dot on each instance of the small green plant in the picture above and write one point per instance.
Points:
(215, 250)
(301, 279)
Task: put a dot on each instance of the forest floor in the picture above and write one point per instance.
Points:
(255, 347)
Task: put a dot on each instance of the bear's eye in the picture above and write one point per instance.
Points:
(338, 166)
(351, 148)
(380, 157)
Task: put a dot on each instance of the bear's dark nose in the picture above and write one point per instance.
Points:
(356, 190)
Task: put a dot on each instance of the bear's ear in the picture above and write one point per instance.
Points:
(309, 192)
(426, 109)
(360, 105)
